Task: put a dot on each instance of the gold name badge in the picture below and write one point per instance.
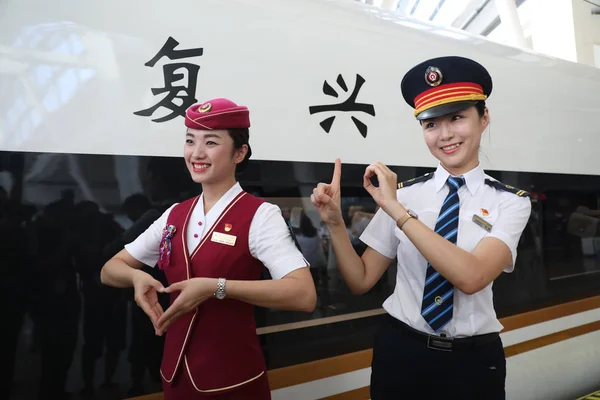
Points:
(223, 238)
(482, 222)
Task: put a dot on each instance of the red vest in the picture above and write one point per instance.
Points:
(216, 344)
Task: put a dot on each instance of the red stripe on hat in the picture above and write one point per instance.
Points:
(458, 89)
(445, 96)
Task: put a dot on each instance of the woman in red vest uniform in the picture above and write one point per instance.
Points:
(213, 248)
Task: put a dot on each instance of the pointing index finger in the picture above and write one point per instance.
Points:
(337, 173)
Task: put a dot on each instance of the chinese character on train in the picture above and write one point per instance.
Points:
(348, 105)
(174, 89)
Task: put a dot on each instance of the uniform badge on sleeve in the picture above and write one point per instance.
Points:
(165, 246)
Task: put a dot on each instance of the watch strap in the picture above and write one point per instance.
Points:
(402, 220)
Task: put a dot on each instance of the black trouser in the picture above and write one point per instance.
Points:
(404, 367)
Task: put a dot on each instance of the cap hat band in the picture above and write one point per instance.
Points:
(449, 93)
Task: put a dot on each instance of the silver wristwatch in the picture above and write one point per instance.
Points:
(220, 293)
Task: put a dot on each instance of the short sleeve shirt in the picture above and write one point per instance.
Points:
(508, 215)
(270, 240)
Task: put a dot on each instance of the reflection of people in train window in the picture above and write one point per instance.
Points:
(453, 232)
(311, 247)
(146, 348)
(56, 299)
(104, 309)
(15, 283)
(3, 196)
(285, 213)
(583, 226)
(213, 248)
(360, 221)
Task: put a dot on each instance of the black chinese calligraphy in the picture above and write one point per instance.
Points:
(348, 105)
(178, 96)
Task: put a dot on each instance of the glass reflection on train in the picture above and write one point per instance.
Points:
(66, 333)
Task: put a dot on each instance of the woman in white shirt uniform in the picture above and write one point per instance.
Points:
(453, 232)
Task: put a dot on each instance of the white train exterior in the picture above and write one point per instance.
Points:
(322, 80)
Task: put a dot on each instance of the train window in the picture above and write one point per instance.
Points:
(63, 215)
(559, 252)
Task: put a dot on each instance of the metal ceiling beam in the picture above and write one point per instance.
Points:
(594, 4)
(507, 11)
(414, 8)
(475, 14)
(497, 21)
(437, 8)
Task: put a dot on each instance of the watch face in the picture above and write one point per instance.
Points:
(220, 293)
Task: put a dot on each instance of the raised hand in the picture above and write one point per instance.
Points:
(193, 293)
(326, 197)
(146, 289)
(385, 194)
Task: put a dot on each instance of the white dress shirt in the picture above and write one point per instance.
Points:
(508, 214)
(269, 238)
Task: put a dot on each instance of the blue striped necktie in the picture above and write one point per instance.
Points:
(438, 293)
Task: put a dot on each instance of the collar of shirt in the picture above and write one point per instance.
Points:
(473, 179)
(220, 205)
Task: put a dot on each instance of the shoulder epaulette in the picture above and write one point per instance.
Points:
(507, 188)
(418, 179)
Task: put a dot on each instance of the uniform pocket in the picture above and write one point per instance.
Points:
(490, 370)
